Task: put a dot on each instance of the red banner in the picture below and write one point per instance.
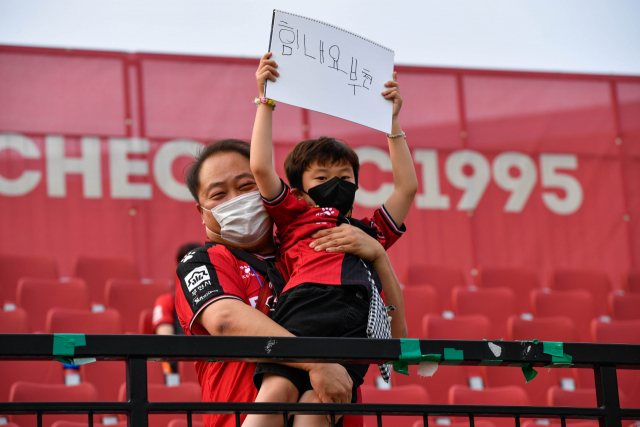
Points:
(515, 169)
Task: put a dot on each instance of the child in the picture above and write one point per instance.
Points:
(323, 175)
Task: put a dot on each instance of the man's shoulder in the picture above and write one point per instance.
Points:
(211, 254)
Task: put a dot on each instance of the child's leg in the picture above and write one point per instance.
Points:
(274, 388)
(307, 420)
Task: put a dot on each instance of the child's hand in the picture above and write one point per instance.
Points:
(266, 71)
(393, 93)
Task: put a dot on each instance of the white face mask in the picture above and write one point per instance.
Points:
(243, 220)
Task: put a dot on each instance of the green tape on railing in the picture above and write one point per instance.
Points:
(528, 371)
(65, 344)
(401, 367)
(409, 350)
(452, 356)
(214, 360)
(565, 359)
(552, 348)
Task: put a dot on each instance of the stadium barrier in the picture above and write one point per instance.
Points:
(136, 350)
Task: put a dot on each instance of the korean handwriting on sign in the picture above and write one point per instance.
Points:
(291, 42)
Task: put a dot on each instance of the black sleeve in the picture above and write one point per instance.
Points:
(200, 279)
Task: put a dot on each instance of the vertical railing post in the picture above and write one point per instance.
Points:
(607, 395)
(137, 392)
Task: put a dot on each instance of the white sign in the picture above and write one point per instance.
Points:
(326, 69)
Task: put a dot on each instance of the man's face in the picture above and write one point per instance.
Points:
(223, 177)
(317, 174)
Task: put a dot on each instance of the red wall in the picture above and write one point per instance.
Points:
(516, 169)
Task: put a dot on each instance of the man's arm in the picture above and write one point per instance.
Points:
(231, 317)
(261, 160)
(352, 240)
(405, 182)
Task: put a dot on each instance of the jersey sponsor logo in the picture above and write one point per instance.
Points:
(188, 256)
(245, 271)
(197, 276)
(199, 299)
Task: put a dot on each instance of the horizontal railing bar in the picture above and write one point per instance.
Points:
(323, 408)
(354, 350)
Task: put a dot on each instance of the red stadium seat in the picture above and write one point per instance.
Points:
(621, 332)
(74, 424)
(131, 297)
(183, 423)
(442, 278)
(510, 396)
(556, 423)
(145, 322)
(595, 282)
(582, 398)
(109, 376)
(33, 392)
(65, 320)
(577, 305)
(520, 280)
(418, 301)
(15, 267)
(188, 373)
(29, 371)
(437, 327)
(632, 282)
(624, 305)
(558, 328)
(477, 422)
(185, 392)
(408, 394)
(497, 304)
(14, 322)
(543, 329)
(96, 272)
(37, 296)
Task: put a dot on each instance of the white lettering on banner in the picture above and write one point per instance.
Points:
(521, 186)
(58, 166)
(29, 179)
(549, 163)
(431, 198)
(163, 162)
(120, 168)
(466, 170)
(473, 185)
(380, 158)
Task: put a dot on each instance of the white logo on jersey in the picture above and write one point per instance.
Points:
(188, 256)
(198, 275)
(157, 313)
(325, 212)
(245, 271)
(253, 301)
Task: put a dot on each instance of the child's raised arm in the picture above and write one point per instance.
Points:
(261, 160)
(405, 182)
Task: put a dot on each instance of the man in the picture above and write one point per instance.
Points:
(218, 289)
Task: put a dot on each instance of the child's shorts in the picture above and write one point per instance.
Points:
(325, 311)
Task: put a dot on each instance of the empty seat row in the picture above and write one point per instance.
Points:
(37, 297)
(86, 392)
(107, 376)
(499, 303)
(93, 270)
(463, 395)
(521, 281)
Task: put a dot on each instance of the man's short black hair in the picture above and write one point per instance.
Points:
(325, 151)
(192, 173)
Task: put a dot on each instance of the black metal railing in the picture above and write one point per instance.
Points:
(604, 359)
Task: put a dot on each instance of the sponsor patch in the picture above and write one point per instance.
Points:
(197, 276)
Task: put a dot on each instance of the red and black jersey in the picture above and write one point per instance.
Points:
(296, 221)
(206, 275)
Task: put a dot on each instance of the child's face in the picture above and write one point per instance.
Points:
(316, 175)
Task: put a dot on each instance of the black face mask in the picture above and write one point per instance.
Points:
(335, 193)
